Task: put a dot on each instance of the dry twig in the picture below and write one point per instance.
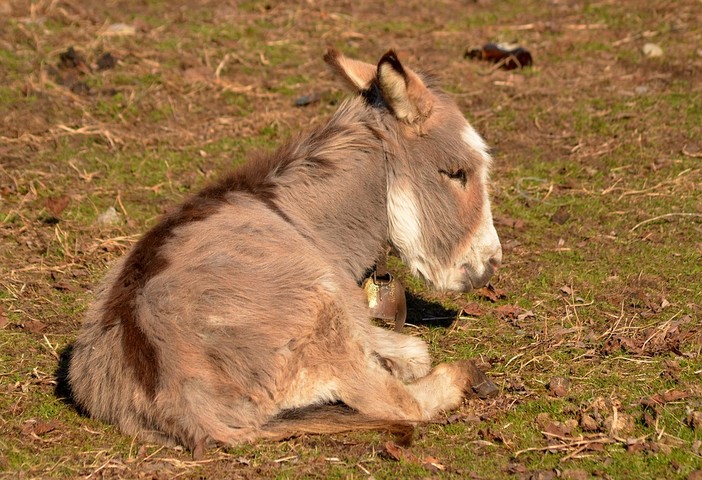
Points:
(667, 215)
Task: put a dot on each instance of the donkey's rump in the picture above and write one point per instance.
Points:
(229, 318)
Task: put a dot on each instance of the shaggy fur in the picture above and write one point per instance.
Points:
(243, 306)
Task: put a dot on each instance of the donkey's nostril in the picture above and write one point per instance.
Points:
(495, 262)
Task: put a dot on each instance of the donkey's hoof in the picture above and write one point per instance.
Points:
(481, 385)
(486, 389)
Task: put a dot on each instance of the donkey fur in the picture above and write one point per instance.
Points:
(243, 303)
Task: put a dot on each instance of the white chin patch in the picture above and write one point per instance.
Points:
(406, 235)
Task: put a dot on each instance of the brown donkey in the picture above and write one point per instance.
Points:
(243, 305)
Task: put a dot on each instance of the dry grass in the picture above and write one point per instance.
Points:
(593, 329)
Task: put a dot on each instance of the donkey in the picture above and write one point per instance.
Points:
(244, 304)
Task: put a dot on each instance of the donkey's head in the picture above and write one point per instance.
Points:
(438, 166)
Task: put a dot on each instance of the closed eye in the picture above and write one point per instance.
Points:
(458, 175)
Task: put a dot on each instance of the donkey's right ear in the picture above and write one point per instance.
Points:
(357, 75)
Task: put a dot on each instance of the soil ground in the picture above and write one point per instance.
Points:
(112, 111)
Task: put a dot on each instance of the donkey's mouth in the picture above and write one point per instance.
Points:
(473, 281)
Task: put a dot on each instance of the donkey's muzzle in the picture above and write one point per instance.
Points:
(473, 280)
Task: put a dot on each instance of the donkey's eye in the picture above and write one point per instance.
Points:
(458, 175)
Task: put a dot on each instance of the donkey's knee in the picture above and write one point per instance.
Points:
(406, 358)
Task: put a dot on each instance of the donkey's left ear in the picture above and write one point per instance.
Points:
(357, 75)
(403, 90)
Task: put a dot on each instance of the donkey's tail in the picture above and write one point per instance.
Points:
(319, 419)
(335, 418)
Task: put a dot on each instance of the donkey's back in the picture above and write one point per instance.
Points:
(243, 304)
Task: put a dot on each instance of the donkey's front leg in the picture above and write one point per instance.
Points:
(377, 393)
(405, 357)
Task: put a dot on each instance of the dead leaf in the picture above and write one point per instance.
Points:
(663, 398)
(65, 287)
(491, 293)
(588, 424)
(566, 290)
(34, 326)
(508, 312)
(398, 453)
(596, 446)
(543, 475)
(516, 468)
(561, 215)
(621, 424)
(493, 436)
(40, 427)
(696, 475)
(638, 446)
(433, 465)
(575, 474)
(56, 205)
(513, 223)
(472, 309)
(555, 429)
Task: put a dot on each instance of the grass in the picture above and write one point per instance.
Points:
(594, 129)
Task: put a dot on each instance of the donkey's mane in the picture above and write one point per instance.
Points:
(313, 156)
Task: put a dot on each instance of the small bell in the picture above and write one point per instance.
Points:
(386, 298)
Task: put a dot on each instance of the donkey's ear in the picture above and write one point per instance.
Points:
(357, 75)
(403, 90)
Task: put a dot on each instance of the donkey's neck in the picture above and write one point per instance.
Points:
(332, 185)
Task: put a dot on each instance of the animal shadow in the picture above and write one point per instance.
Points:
(421, 311)
(63, 390)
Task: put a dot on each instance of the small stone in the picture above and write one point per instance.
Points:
(559, 386)
(651, 50)
(588, 423)
(109, 217)
(641, 90)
